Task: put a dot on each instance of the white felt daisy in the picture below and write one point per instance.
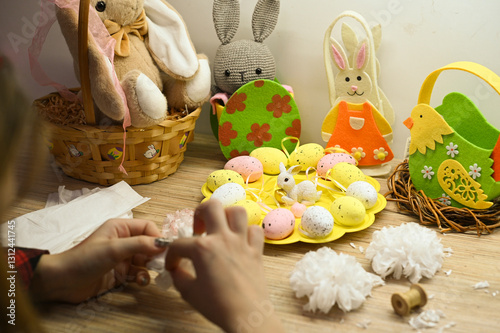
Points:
(445, 199)
(475, 171)
(452, 150)
(428, 173)
(380, 154)
(358, 153)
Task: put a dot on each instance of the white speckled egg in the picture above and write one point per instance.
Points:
(278, 224)
(364, 192)
(330, 160)
(270, 158)
(346, 174)
(247, 166)
(307, 155)
(317, 221)
(221, 177)
(229, 194)
(348, 211)
(254, 213)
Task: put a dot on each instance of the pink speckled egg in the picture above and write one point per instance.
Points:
(278, 223)
(329, 161)
(247, 166)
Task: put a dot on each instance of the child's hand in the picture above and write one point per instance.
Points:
(115, 253)
(228, 285)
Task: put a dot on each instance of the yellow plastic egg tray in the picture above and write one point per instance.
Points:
(264, 190)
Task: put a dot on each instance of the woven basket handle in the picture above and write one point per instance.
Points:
(480, 71)
(83, 61)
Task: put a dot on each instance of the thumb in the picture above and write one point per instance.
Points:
(123, 248)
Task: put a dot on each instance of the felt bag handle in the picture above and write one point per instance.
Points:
(83, 61)
(326, 54)
(480, 71)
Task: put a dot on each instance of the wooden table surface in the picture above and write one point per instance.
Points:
(151, 309)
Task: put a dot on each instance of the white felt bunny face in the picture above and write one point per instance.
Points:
(352, 83)
(123, 12)
(242, 61)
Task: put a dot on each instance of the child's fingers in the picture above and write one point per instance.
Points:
(210, 217)
(180, 248)
(256, 237)
(237, 220)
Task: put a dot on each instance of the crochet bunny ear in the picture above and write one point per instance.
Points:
(226, 15)
(169, 41)
(338, 55)
(264, 19)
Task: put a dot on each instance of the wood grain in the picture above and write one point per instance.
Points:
(150, 309)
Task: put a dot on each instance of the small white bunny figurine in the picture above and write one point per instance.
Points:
(303, 192)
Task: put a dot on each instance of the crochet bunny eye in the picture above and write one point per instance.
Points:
(258, 71)
(359, 78)
(286, 180)
(227, 72)
(100, 6)
(347, 79)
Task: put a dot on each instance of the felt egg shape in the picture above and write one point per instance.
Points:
(307, 155)
(270, 159)
(346, 174)
(247, 166)
(317, 221)
(278, 224)
(348, 211)
(220, 177)
(229, 194)
(364, 192)
(254, 213)
(260, 113)
(330, 160)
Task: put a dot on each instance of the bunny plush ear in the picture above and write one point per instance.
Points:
(226, 15)
(264, 19)
(338, 55)
(169, 41)
(361, 56)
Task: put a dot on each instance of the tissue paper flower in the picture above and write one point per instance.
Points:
(410, 250)
(326, 278)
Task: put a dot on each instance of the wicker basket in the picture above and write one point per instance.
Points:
(94, 153)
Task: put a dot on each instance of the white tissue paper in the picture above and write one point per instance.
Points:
(176, 225)
(71, 216)
(410, 250)
(328, 278)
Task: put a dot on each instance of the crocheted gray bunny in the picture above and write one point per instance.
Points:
(243, 61)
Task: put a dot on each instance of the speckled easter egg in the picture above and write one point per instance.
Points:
(346, 174)
(364, 192)
(348, 211)
(317, 221)
(254, 213)
(307, 155)
(278, 223)
(270, 159)
(260, 113)
(330, 160)
(220, 177)
(229, 194)
(247, 166)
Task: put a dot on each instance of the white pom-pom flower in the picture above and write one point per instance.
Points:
(328, 278)
(410, 250)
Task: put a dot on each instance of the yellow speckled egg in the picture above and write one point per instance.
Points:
(348, 211)
(346, 174)
(270, 158)
(307, 155)
(220, 177)
(254, 213)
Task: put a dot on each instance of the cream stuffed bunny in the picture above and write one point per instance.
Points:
(154, 60)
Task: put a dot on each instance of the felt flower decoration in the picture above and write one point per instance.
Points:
(328, 278)
(410, 250)
(452, 150)
(428, 173)
(475, 171)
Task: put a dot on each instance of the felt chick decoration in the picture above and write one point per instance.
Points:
(154, 60)
(454, 151)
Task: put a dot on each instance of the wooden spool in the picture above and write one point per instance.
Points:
(403, 303)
